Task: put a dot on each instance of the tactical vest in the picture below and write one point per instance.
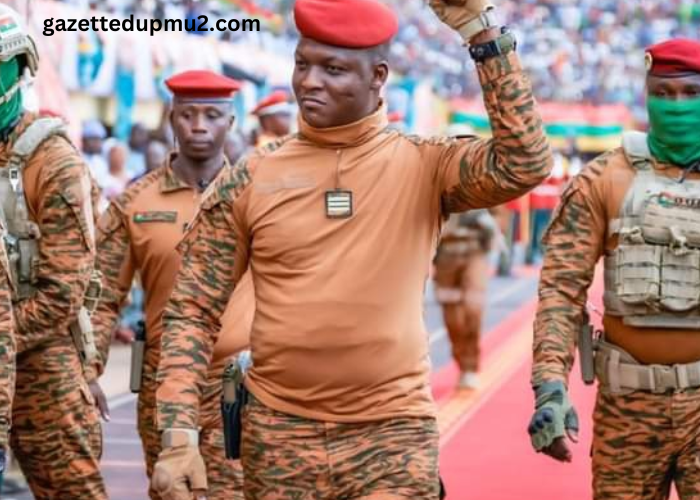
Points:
(22, 234)
(652, 279)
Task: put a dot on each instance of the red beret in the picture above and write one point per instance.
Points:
(355, 24)
(277, 102)
(200, 84)
(395, 117)
(674, 58)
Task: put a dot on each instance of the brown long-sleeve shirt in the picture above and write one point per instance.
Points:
(139, 233)
(575, 241)
(338, 333)
(58, 188)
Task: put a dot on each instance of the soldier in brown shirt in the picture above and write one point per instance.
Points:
(461, 278)
(637, 208)
(139, 233)
(339, 223)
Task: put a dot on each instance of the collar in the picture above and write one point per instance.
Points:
(351, 135)
(170, 182)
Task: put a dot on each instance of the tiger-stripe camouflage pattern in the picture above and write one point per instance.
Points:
(7, 346)
(126, 247)
(643, 442)
(447, 174)
(215, 252)
(224, 477)
(292, 458)
(56, 435)
(573, 246)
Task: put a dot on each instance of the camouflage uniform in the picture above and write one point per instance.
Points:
(139, 233)
(645, 437)
(461, 275)
(339, 352)
(56, 434)
(7, 346)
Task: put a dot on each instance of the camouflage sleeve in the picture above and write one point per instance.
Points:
(7, 349)
(478, 173)
(573, 242)
(66, 248)
(214, 257)
(114, 261)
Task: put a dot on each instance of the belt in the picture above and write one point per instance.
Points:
(617, 370)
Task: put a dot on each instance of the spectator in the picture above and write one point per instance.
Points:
(156, 153)
(93, 137)
(117, 177)
(138, 144)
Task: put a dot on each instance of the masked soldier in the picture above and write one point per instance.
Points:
(461, 277)
(45, 196)
(638, 208)
(7, 353)
(140, 232)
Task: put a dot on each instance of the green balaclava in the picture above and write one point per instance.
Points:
(675, 130)
(12, 108)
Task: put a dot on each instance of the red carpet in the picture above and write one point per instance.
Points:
(488, 456)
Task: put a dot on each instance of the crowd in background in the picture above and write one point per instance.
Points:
(574, 50)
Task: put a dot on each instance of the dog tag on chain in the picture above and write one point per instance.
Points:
(338, 204)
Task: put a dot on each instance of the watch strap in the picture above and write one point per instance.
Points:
(500, 46)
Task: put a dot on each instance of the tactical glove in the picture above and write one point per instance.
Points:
(554, 416)
(179, 473)
(457, 14)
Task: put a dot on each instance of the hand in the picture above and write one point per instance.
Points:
(100, 400)
(180, 473)
(457, 13)
(124, 335)
(554, 418)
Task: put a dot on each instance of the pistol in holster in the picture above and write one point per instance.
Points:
(138, 352)
(234, 399)
(81, 329)
(587, 340)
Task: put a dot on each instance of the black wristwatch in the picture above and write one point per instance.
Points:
(501, 46)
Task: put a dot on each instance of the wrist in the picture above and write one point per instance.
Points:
(498, 42)
(174, 438)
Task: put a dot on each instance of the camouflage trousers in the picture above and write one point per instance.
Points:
(56, 434)
(462, 314)
(225, 477)
(643, 442)
(292, 458)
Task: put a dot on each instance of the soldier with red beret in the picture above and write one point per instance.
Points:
(274, 113)
(339, 223)
(139, 233)
(638, 208)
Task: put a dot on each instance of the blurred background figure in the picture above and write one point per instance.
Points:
(274, 114)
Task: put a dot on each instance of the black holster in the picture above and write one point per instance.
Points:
(233, 424)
